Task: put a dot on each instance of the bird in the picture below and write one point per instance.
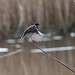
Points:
(32, 33)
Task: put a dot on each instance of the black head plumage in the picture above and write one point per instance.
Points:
(36, 25)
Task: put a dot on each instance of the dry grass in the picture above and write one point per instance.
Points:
(19, 14)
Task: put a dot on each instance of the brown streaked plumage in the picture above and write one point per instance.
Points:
(31, 29)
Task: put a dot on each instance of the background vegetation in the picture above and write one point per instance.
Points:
(51, 14)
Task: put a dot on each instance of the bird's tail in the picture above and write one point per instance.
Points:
(22, 38)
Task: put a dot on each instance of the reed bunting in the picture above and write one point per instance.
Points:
(32, 33)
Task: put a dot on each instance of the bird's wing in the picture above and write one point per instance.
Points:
(37, 37)
(30, 29)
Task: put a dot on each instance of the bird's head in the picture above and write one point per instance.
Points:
(36, 25)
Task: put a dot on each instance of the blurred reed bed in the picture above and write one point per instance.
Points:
(51, 14)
